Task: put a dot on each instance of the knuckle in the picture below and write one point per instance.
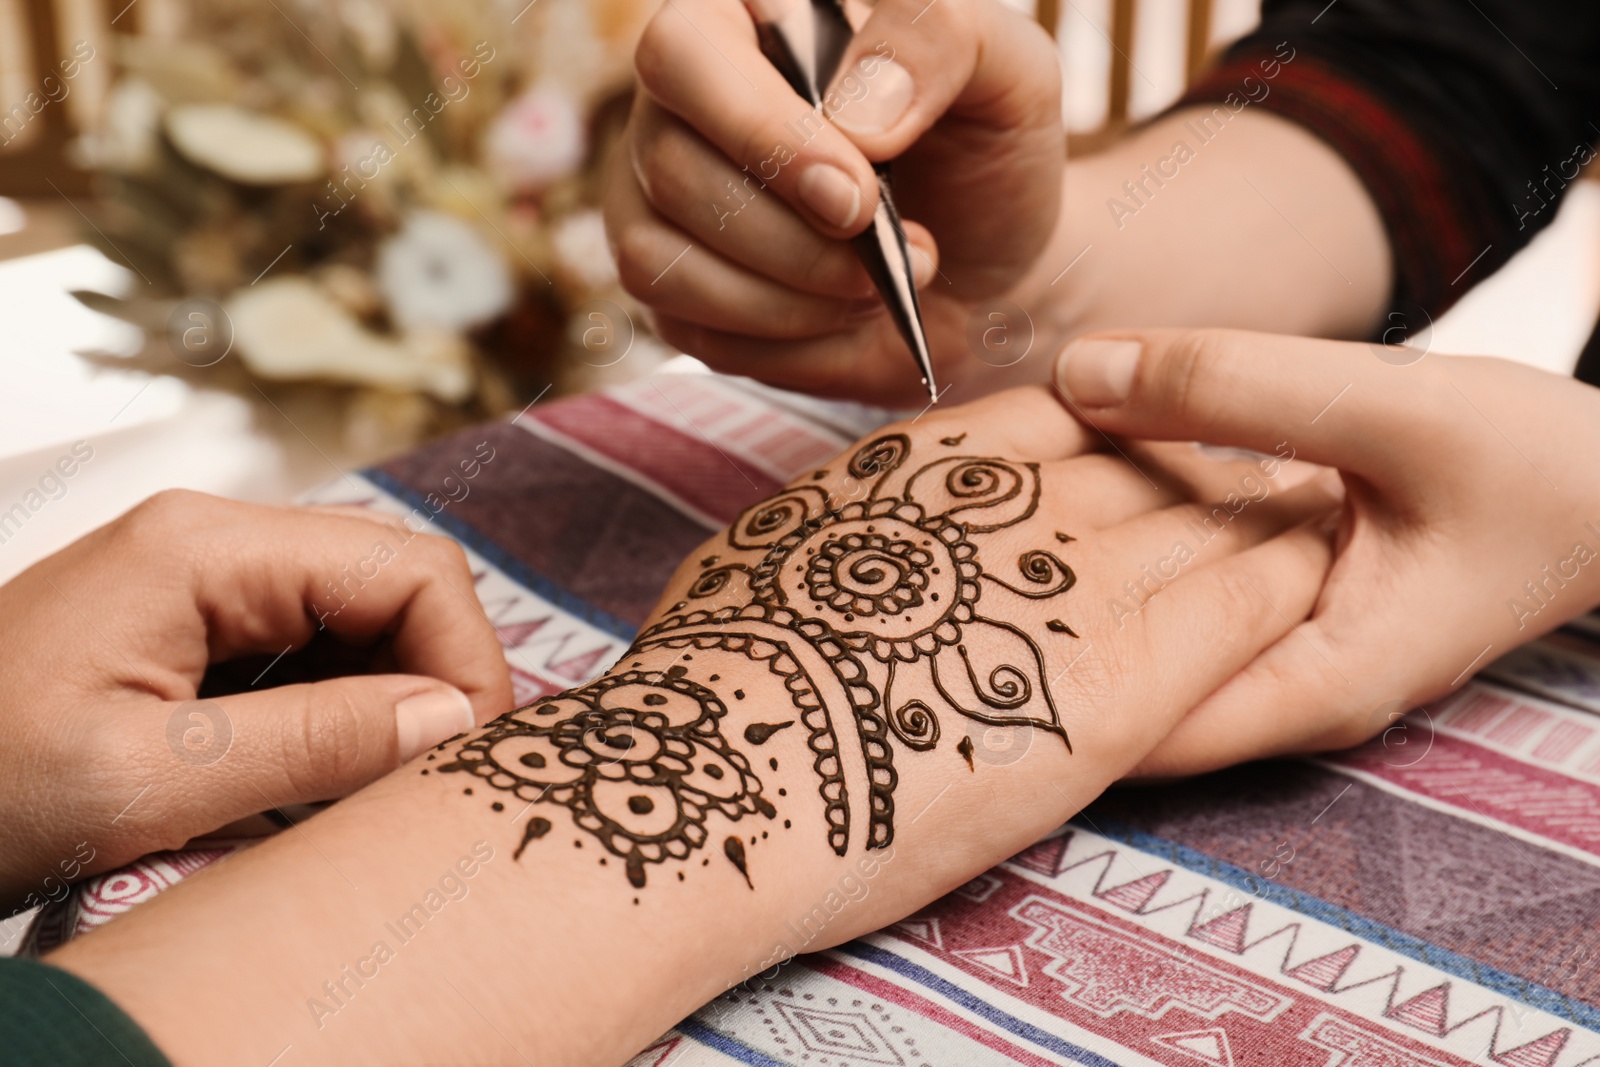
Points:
(636, 253)
(164, 514)
(324, 748)
(1184, 372)
(444, 554)
(653, 57)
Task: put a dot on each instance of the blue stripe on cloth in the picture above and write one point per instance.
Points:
(502, 560)
(726, 1045)
(950, 991)
(1399, 941)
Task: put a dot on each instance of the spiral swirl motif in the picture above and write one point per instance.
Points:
(1040, 568)
(981, 480)
(714, 581)
(879, 457)
(772, 520)
(882, 576)
(985, 494)
(1008, 686)
(915, 724)
(864, 574)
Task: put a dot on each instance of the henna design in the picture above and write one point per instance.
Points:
(1043, 568)
(913, 722)
(637, 758)
(880, 457)
(852, 605)
(714, 580)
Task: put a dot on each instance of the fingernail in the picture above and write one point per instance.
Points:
(829, 192)
(1098, 373)
(424, 719)
(921, 268)
(887, 98)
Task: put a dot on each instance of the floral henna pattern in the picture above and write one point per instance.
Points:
(855, 606)
(637, 758)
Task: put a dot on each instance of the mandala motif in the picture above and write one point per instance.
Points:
(886, 578)
(637, 758)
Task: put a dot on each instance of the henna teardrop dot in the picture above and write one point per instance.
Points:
(759, 733)
(733, 848)
(537, 827)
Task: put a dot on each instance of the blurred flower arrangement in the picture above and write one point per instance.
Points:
(390, 205)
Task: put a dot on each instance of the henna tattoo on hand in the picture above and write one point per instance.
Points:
(866, 610)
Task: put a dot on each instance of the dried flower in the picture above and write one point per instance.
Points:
(536, 139)
(289, 329)
(437, 272)
(249, 148)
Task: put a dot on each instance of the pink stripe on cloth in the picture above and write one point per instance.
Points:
(1480, 783)
(692, 469)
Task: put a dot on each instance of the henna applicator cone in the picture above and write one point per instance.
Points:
(805, 40)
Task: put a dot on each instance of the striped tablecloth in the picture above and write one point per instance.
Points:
(1431, 899)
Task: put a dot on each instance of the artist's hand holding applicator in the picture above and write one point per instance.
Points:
(731, 221)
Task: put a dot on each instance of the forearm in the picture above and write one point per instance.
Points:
(1262, 227)
(553, 943)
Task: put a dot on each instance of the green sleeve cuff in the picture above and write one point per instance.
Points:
(49, 1017)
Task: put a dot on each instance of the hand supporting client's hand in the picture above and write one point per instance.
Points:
(104, 644)
(1471, 521)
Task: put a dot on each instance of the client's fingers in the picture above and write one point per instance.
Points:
(1292, 698)
(1176, 539)
(1203, 629)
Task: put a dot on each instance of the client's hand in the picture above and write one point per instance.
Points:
(102, 647)
(1471, 522)
(970, 602)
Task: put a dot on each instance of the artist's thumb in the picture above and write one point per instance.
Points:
(1330, 402)
(245, 753)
